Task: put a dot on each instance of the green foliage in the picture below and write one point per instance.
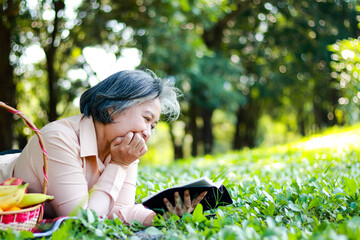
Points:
(259, 57)
(304, 190)
(346, 69)
(213, 83)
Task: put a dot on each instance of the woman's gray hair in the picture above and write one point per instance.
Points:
(126, 89)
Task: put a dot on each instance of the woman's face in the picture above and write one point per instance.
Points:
(141, 119)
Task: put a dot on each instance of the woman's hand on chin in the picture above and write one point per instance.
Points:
(127, 149)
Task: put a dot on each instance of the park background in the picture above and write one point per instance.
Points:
(253, 73)
(270, 103)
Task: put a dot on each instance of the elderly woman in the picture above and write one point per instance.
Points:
(93, 156)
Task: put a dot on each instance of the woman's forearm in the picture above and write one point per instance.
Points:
(149, 219)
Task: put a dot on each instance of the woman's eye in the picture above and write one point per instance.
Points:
(147, 119)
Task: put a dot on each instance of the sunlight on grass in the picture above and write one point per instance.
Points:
(350, 138)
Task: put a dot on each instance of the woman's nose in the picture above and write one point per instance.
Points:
(147, 133)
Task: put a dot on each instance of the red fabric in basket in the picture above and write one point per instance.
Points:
(8, 218)
(20, 217)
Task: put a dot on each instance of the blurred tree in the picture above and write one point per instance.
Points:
(7, 21)
(249, 57)
(10, 21)
(48, 27)
(224, 34)
(204, 74)
(279, 45)
(302, 31)
(52, 43)
(44, 87)
(282, 48)
(37, 24)
(211, 88)
(346, 69)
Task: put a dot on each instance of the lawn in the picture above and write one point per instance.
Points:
(303, 190)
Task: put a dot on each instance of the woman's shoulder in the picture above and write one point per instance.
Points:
(68, 126)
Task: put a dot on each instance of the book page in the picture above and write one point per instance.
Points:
(202, 182)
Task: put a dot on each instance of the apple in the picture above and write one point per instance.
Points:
(12, 181)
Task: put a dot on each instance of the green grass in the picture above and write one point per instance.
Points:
(303, 190)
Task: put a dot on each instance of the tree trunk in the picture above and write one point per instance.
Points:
(193, 129)
(333, 98)
(246, 125)
(301, 125)
(301, 120)
(50, 52)
(320, 115)
(52, 85)
(178, 148)
(207, 134)
(7, 89)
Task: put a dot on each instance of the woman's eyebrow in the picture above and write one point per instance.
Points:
(151, 115)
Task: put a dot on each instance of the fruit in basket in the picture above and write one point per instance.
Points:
(12, 181)
(14, 209)
(5, 190)
(14, 198)
(31, 199)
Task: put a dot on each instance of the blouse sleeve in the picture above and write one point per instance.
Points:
(125, 206)
(68, 184)
(67, 179)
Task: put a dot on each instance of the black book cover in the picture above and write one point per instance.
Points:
(216, 196)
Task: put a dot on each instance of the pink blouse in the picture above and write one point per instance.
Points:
(77, 177)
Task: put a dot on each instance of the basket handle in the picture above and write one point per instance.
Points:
(37, 132)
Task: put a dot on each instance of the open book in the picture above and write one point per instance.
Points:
(217, 194)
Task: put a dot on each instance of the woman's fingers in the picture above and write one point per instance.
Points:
(116, 141)
(182, 207)
(138, 142)
(168, 205)
(125, 150)
(138, 145)
(135, 143)
(198, 199)
(187, 199)
(179, 207)
(143, 150)
(127, 138)
(132, 144)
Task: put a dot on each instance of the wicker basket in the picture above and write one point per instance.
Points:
(26, 218)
